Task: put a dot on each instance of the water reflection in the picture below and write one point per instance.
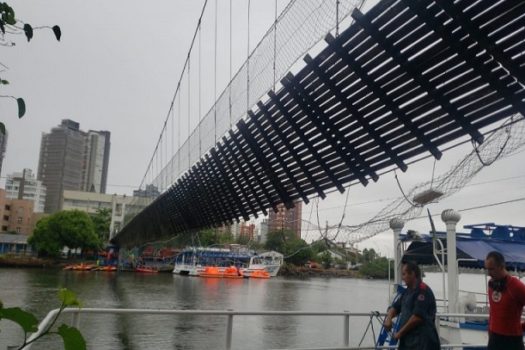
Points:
(36, 290)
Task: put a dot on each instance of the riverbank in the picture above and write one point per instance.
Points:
(304, 272)
(286, 270)
(27, 261)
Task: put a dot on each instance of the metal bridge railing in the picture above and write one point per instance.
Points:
(230, 314)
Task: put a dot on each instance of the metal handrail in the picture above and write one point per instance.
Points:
(76, 312)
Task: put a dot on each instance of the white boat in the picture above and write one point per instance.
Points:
(270, 261)
(192, 261)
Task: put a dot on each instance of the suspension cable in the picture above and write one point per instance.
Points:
(189, 115)
(403, 192)
(248, 62)
(200, 88)
(230, 85)
(215, 75)
(177, 89)
(274, 43)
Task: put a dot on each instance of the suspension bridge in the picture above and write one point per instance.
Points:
(406, 79)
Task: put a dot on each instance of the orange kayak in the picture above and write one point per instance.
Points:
(259, 274)
(212, 271)
(232, 272)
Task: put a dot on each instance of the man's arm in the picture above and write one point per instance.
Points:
(392, 313)
(519, 292)
(412, 323)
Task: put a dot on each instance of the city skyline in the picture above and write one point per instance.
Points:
(72, 159)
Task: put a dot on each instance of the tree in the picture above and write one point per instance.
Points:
(102, 221)
(296, 250)
(45, 240)
(377, 268)
(9, 22)
(369, 255)
(71, 228)
(326, 259)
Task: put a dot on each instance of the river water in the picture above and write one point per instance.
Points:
(35, 290)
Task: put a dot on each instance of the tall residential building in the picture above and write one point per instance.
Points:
(3, 147)
(71, 159)
(286, 219)
(97, 160)
(24, 185)
(247, 230)
(263, 231)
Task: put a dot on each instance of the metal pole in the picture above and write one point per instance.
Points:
(75, 320)
(397, 225)
(346, 331)
(451, 218)
(229, 331)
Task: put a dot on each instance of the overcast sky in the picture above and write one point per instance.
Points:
(116, 69)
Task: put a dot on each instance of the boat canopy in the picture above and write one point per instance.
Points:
(473, 247)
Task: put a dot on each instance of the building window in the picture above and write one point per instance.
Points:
(6, 218)
(18, 230)
(19, 220)
(4, 228)
(7, 207)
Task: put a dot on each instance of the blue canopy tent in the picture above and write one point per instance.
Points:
(474, 246)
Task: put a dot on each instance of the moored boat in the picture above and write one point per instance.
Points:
(83, 267)
(232, 272)
(107, 268)
(262, 274)
(146, 269)
(268, 261)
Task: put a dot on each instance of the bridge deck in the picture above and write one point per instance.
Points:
(403, 80)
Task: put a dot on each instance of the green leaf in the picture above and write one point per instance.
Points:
(68, 298)
(2, 131)
(8, 14)
(73, 340)
(57, 31)
(2, 26)
(28, 30)
(21, 107)
(26, 320)
(4, 82)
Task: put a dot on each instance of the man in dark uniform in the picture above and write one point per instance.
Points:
(417, 310)
(506, 298)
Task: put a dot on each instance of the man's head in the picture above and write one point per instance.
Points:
(495, 265)
(411, 274)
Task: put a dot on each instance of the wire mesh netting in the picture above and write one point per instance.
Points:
(503, 142)
(299, 27)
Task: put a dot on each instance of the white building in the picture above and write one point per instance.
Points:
(263, 231)
(24, 185)
(97, 147)
(90, 202)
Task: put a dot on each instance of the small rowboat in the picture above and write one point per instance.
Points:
(82, 267)
(146, 269)
(108, 268)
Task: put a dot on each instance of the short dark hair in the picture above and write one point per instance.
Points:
(413, 267)
(498, 258)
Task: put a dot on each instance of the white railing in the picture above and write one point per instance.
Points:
(230, 314)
